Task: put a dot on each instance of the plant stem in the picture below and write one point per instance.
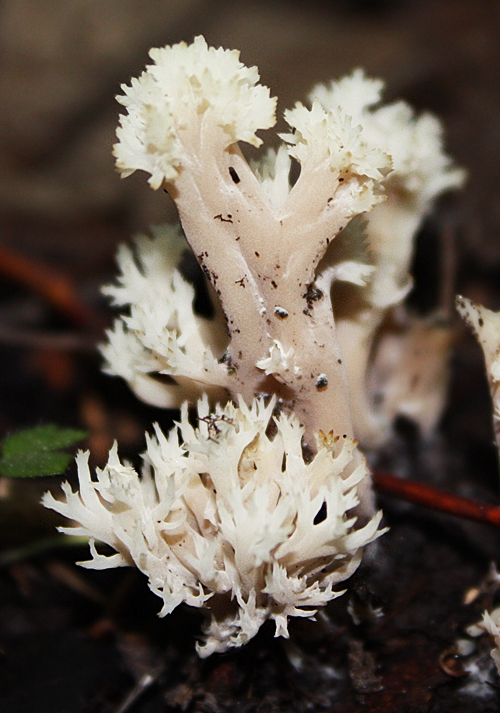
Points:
(436, 499)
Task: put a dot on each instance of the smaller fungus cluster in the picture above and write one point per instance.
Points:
(226, 517)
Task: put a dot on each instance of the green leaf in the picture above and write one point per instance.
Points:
(41, 438)
(35, 452)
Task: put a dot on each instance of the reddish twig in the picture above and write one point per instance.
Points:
(436, 499)
(52, 286)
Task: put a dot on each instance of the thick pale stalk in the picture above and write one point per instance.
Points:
(262, 265)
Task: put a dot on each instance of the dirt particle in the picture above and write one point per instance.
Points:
(321, 382)
(280, 312)
(234, 175)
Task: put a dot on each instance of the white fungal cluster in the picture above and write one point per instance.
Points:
(255, 513)
(229, 518)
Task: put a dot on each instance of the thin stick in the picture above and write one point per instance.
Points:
(436, 499)
(145, 682)
(52, 286)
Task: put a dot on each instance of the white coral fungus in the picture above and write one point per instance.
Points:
(227, 510)
(160, 333)
(486, 326)
(229, 516)
(187, 86)
(489, 624)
